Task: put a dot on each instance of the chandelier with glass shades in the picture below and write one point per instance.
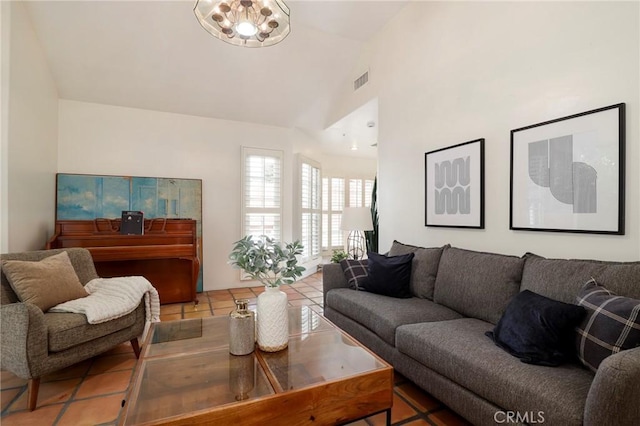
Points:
(248, 23)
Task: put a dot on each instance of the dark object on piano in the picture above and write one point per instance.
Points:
(166, 255)
(132, 223)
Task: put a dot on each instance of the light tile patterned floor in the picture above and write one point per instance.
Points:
(91, 392)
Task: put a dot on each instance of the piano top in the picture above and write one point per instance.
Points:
(106, 233)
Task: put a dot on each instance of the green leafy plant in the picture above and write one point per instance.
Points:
(267, 261)
(338, 256)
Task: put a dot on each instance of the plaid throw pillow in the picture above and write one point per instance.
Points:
(612, 324)
(356, 272)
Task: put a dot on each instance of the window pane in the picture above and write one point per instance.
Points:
(306, 186)
(315, 234)
(258, 225)
(336, 232)
(310, 191)
(368, 191)
(337, 194)
(325, 194)
(261, 198)
(315, 188)
(325, 231)
(355, 192)
(263, 176)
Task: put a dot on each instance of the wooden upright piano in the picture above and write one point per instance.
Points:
(166, 254)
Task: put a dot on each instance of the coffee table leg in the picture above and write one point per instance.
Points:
(389, 417)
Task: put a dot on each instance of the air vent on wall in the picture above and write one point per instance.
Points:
(361, 81)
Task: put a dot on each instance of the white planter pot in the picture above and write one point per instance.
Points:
(273, 320)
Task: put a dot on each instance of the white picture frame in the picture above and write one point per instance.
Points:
(567, 174)
(454, 186)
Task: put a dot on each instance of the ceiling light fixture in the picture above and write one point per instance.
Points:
(248, 23)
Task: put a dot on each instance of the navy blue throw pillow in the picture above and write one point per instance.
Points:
(389, 276)
(538, 330)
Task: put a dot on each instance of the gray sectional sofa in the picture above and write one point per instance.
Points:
(437, 337)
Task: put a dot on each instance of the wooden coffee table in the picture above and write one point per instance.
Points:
(186, 376)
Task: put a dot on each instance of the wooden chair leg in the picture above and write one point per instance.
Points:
(135, 346)
(32, 393)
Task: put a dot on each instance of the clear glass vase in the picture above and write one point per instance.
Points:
(273, 320)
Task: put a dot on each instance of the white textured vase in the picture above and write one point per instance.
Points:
(273, 320)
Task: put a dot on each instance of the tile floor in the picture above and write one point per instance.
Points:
(91, 392)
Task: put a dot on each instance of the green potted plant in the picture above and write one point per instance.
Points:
(339, 255)
(267, 261)
(272, 264)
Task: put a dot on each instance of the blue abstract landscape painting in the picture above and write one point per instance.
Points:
(88, 197)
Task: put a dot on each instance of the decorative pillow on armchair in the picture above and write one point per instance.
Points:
(45, 283)
(389, 276)
(355, 271)
(612, 324)
(538, 330)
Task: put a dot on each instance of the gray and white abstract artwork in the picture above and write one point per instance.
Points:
(452, 180)
(571, 182)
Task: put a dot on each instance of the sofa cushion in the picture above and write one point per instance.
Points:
(612, 324)
(382, 314)
(67, 330)
(460, 351)
(538, 330)
(562, 279)
(44, 283)
(424, 267)
(388, 275)
(355, 271)
(477, 284)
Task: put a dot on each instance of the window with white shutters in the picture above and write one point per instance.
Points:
(262, 192)
(310, 208)
(338, 192)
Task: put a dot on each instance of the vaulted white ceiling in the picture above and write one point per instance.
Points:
(154, 55)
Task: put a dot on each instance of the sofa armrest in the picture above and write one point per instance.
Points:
(614, 391)
(332, 277)
(23, 337)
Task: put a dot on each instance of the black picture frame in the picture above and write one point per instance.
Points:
(567, 174)
(454, 186)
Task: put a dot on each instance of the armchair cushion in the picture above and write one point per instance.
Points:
(44, 283)
(66, 330)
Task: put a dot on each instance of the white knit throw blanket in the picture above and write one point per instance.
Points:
(111, 298)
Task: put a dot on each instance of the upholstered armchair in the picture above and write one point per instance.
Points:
(35, 343)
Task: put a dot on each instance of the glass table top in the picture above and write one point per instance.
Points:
(186, 366)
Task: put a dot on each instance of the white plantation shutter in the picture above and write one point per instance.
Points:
(310, 208)
(355, 193)
(360, 192)
(325, 214)
(337, 193)
(262, 192)
(337, 205)
(333, 199)
(368, 191)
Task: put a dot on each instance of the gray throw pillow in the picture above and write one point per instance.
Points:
(424, 267)
(476, 284)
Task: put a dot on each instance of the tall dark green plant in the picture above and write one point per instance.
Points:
(371, 237)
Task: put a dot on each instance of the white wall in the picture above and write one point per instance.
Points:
(29, 142)
(111, 140)
(5, 37)
(450, 72)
